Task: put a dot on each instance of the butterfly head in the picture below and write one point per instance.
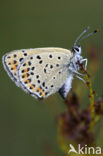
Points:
(76, 47)
(77, 50)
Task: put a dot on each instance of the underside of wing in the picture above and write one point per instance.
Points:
(13, 59)
(42, 74)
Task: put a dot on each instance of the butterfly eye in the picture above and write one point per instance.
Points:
(77, 49)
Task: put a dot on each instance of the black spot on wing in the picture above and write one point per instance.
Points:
(29, 63)
(51, 66)
(38, 57)
(20, 59)
(37, 76)
(32, 73)
(25, 54)
(38, 81)
(44, 70)
(15, 61)
(31, 58)
(50, 56)
(28, 69)
(24, 64)
(59, 57)
(43, 84)
(46, 93)
(57, 65)
(22, 71)
(15, 55)
(32, 68)
(40, 62)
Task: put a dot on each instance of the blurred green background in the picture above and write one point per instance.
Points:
(27, 125)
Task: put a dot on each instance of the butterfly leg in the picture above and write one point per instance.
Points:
(75, 71)
(80, 78)
(86, 61)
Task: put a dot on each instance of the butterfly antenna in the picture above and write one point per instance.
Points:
(86, 36)
(78, 38)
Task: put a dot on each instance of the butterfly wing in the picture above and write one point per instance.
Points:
(44, 72)
(11, 61)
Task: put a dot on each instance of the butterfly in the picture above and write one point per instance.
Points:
(42, 72)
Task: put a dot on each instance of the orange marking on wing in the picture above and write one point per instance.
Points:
(32, 86)
(41, 91)
(26, 70)
(24, 76)
(14, 67)
(12, 62)
(42, 95)
(28, 81)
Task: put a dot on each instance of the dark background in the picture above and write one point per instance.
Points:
(25, 123)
